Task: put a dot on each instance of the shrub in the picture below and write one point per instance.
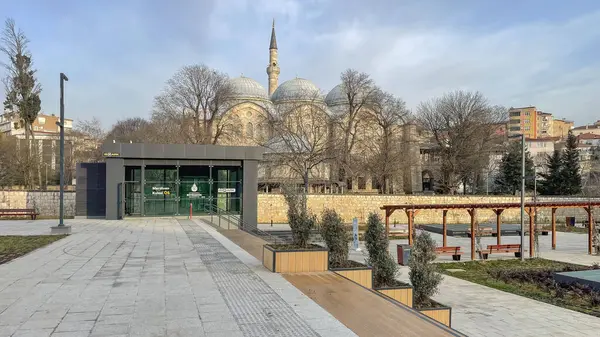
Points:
(384, 266)
(423, 276)
(300, 220)
(336, 238)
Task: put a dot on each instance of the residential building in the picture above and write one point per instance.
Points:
(540, 149)
(561, 127)
(523, 121)
(589, 139)
(544, 124)
(593, 129)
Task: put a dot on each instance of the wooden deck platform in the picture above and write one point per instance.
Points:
(362, 311)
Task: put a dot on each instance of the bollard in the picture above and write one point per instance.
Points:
(271, 222)
(190, 211)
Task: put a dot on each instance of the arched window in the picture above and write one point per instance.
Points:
(249, 130)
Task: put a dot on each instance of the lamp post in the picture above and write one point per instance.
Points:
(523, 196)
(61, 228)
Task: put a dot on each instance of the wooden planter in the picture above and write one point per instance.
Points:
(440, 314)
(359, 275)
(296, 260)
(402, 294)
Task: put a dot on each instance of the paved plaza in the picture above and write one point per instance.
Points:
(482, 311)
(149, 277)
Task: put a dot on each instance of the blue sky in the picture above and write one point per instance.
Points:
(118, 54)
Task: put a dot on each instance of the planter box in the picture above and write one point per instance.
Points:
(359, 275)
(441, 314)
(402, 294)
(296, 260)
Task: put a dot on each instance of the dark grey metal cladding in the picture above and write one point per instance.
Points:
(90, 197)
(183, 151)
(115, 174)
(250, 193)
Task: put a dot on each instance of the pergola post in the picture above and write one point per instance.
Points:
(472, 214)
(553, 228)
(410, 213)
(387, 222)
(590, 229)
(498, 223)
(531, 213)
(444, 226)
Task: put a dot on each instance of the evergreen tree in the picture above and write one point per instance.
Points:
(552, 183)
(508, 180)
(570, 173)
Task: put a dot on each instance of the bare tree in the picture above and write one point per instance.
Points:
(15, 165)
(22, 89)
(462, 125)
(359, 91)
(135, 130)
(87, 137)
(384, 146)
(300, 140)
(196, 100)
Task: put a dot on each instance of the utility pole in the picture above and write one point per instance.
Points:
(61, 228)
(523, 197)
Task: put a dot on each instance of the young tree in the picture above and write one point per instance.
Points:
(552, 180)
(196, 100)
(463, 127)
(571, 175)
(336, 236)
(508, 180)
(423, 276)
(300, 220)
(22, 90)
(377, 242)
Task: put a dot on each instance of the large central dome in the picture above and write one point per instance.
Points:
(297, 89)
(247, 88)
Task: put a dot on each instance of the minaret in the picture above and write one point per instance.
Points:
(273, 67)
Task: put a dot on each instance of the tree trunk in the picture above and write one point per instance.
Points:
(305, 179)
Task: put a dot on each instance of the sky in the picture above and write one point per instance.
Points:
(119, 54)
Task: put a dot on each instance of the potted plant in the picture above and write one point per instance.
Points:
(337, 239)
(300, 255)
(384, 266)
(425, 279)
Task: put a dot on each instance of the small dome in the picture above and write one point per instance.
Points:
(336, 96)
(297, 89)
(247, 88)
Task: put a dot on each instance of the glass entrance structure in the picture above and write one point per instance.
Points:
(169, 190)
(166, 180)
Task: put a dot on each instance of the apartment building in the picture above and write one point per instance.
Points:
(591, 129)
(523, 121)
(561, 127)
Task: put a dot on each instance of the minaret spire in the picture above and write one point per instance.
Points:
(273, 67)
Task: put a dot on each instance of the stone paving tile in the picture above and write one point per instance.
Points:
(139, 277)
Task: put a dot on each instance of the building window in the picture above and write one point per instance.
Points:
(249, 130)
(515, 113)
(515, 128)
(41, 120)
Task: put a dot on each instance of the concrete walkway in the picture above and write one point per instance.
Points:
(147, 277)
(482, 311)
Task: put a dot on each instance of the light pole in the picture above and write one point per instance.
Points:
(61, 228)
(523, 196)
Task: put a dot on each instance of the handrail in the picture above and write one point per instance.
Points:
(213, 209)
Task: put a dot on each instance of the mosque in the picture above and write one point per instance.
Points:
(253, 104)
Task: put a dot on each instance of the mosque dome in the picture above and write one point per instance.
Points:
(338, 96)
(247, 88)
(297, 89)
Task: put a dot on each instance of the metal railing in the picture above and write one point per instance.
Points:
(234, 218)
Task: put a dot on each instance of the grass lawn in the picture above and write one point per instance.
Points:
(532, 278)
(14, 246)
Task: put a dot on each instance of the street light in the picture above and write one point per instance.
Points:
(61, 228)
(522, 136)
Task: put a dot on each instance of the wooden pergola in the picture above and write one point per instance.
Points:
(498, 208)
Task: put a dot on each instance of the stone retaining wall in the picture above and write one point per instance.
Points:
(44, 202)
(272, 207)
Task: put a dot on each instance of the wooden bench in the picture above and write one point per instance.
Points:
(19, 212)
(510, 248)
(454, 251)
(483, 231)
(544, 232)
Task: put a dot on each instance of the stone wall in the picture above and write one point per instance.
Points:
(44, 202)
(272, 207)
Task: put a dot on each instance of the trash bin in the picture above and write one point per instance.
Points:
(403, 254)
(570, 221)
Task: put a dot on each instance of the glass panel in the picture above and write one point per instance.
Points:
(161, 190)
(133, 190)
(227, 189)
(194, 189)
